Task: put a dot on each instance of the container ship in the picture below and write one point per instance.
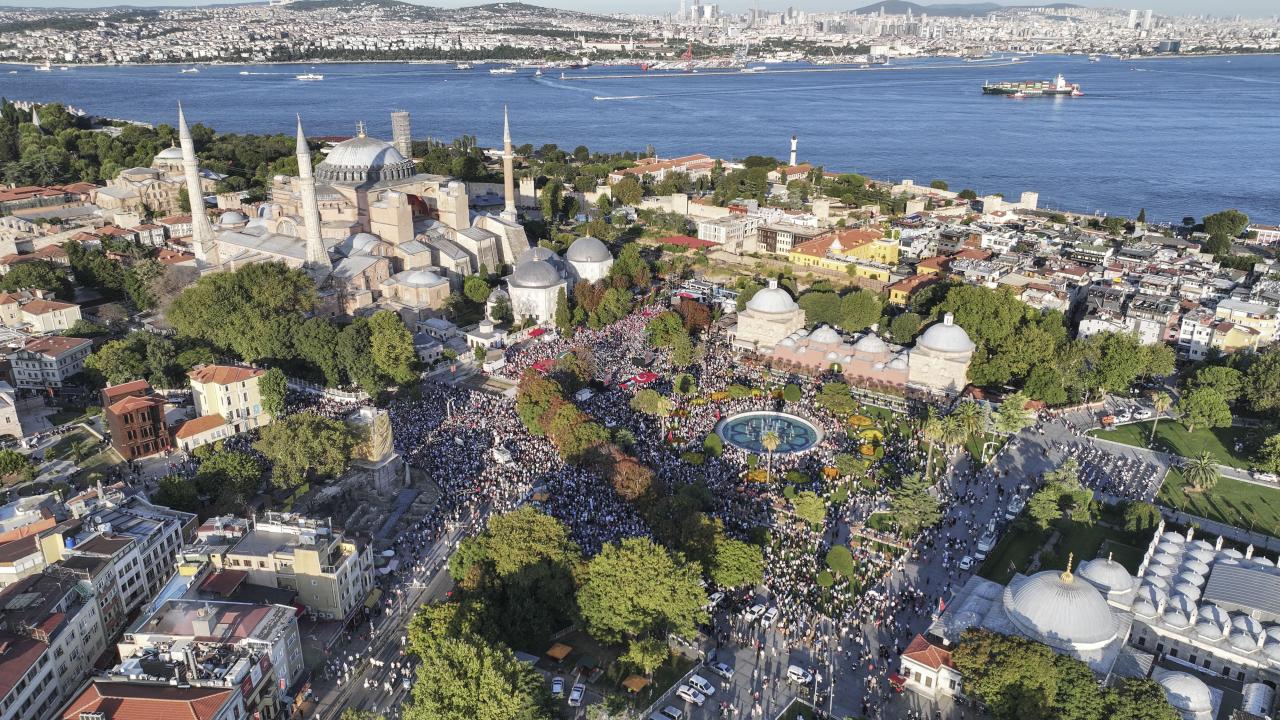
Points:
(1033, 88)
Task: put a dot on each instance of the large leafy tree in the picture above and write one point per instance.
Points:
(1204, 407)
(465, 674)
(37, 274)
(1013, 416)
(737, 564)
(859, 310)
(1228, 381)
(230, 478)
(251, 311)
(273, 387)
(1262, 381)
(391, 347)
(914, 508)
(637, 589)
(306, 446)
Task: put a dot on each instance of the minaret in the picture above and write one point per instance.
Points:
(35, 116)
(203, 243)
(793, 152)
(317, 263)
(508, 174)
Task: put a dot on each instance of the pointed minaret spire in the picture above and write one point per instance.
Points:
(317, 262)
(508, 173)
(203, 243)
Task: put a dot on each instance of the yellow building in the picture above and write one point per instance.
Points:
(870, 253)
(1254, 316)
(231, 393)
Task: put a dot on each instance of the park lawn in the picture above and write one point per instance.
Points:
(1014, 551)
(975, 444)
(1172, 435)
(1234, 502)
(1127, 555)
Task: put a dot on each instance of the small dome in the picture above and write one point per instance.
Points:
(496, 294)
(833, 356)
(1243, 641)
(1229, 554)
(537, 252)
(1060, 611)
(1156, 581)
(1145, 608)
(1244, 623)
(1191, 578)
(1107, 575)
(824, 335)
(233, 217)
(587, 249)
(360, 242)
(1203, 555)
(170, 153)
(1190, 591)
(772, 300)
(420, 278)
(1160, 570)
(787, 342)
(1167, 558)
(535, 274)
(1179, 611)
(946, 337)
(1272, 650)
(871, 344)
(1196, 566)
(1186, 693)
(1173, 537)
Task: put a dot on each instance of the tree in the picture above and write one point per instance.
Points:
(1013, 417)
(118, 362)
(821, 308)
(663, 329)
(40, 275)
(1204, 407)
(904, 327)
(834, 397)
(1227, 224)
(967, 194)
(651, 403)
(1201, 472)
(465, 675)
(791, 393)
(682, 350)
(231, 478)
(736, 564)
(251, 312)
(1228, 381)
(770, 442)
(1268, 456)
(1142, 216)
(551, 200)
(627, 191)
(859, 310)
(1141, 517)
(914, 508)
(1161, 403)
(971, 418)
(809, 507)
(637, 590)
(1262, 381)
(273, 387)
(1050, 502)
(684, 384)
(178, 493)
(16, 466)
(938, 184)
(476, 289)
(391, 347)
(305, 446)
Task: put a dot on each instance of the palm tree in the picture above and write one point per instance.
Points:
(1013, 416)
(972, 417)
(1161, 402)
(770, 441)
(954, 433)
(932, 432)
(1201, 472)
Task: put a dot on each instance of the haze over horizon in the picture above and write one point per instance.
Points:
(1220, 8)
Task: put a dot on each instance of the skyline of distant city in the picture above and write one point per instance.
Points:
(1224, 8)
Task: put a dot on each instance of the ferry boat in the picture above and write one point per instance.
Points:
(1057, 87)
(462, 66)
(64, 67)
(43, 68)
(537, 73)
(308, 76)
(188, 71)
(1094, 58)
(502, 71)
(754, 69)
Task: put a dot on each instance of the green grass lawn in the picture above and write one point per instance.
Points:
(1173, 436)
(1127, 555)
(1242, 504)
(1014, 551)
(975, 444)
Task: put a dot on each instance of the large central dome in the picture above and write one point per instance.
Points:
(363, 159)
(1061, 611)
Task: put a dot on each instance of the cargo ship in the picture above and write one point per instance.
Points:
(1033, 88)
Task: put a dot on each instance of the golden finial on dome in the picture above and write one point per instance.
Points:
(360, 128)
(1066, 574)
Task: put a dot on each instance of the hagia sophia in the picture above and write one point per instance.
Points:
(375, 233)
(1195, 612)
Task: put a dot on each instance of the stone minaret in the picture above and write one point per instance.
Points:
(508, 173)
(203, 243)
(793, 151)
(401, 135)
(317, 263)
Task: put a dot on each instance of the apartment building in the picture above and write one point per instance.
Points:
(45, 363)
(230, 392)
(134, 414)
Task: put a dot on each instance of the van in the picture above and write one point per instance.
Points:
(799, 675)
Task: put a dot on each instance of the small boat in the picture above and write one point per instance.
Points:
(308, 76)
(754, 69)
(43, 68)
(64, 67)
(462, 66)
(561, 76)
(502, 71)
(13, 72)
(244, 72)
(1094, 58)
(537, 73)
(187, 71)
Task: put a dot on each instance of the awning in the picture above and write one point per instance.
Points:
(559, 652)
(374, 596)
(635, 683)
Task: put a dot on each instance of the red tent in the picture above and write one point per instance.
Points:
(544, 366)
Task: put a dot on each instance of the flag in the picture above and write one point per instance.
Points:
(942, 605)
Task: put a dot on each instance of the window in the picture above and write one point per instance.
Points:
(1226, 671)
(1193, 659)
(1173, 652)
(1142, 640)
(1205, 664)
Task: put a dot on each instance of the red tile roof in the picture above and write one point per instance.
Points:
(137, 701)
(40, 307)
(223, 374)
(927, 654)
(129, 388)
(202, 424)
(849, 239)
(224, 582)
(54, 346)
(686, 241)
(135, 402)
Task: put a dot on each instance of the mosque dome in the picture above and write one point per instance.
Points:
(1186, 693)
(360, 242)
(824, 335)
(171, 154)
(420, 278)
(871, 343)
(537, 252)
(772, 300)
(787, 342)
(233, 217)
(1107, 575)
(587, 250)
(363, 159)
(497, 294)
(946, 337)
(898, 363)
(535, 274)
(1060, 611)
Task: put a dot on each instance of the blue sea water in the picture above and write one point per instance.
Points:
(1185, 136)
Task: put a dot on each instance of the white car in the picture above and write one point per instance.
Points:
(753, 613)
(557, 686)
(702, 685)
(1123, 415)
(721, 669)
(688, 694)
(575, 695)
(966, 562)
(1142, 414)
(769, 616)
(799, 675)
(715, 599)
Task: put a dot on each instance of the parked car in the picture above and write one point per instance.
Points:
(702, 685)
(721, 669)
(575, 695)
(753, 613)
(769, 616)
(714, 599)
(1142, 414)
(671, 712)
(797, 674)
(1015, 507)
(688, 694)
(557, 686)
(966, 562)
